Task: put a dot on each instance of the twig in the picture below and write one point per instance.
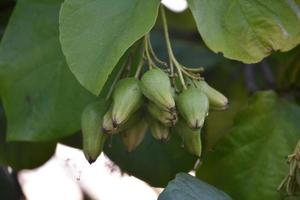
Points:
(249, 77)
(267, 73)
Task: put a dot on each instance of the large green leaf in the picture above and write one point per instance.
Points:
(95, 34)
(153, 161)
(42, 99)
(248, 30)
(250, 162)
(187, 187)
(23, 155)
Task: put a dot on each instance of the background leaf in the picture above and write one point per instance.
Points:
(23, 155)
(245, 30)
(250, 161)
(42, 99)
(187, 187)
(95, 34)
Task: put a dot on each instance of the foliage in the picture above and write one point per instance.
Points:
(187, 187)
(56, 57)
(252, 153)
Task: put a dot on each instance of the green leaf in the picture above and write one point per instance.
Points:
(23, 155)
(246, 30)
(153, 161)
(95, 34)
(250, 161)
(187, 187)
(42, 99)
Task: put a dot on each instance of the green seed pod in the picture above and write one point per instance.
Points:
(158, 130)
(92, 134)
(190, 137)
(107, 122)
(216, 99)
(156, 86)
(193, 106)
(165, 117)
(133, 136)
(127, 98)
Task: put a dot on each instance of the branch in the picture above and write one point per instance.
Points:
(250, 78)
(267, 73)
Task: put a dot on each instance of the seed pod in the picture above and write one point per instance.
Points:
(107, 122)
(92, 134)
(127, 98)
(216, 99)
(133, 136)
(158, 130)
(193, 106)
(190, 137)
(156, 86)
(165, 117)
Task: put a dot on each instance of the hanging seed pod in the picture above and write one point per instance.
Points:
(193, 106)
(92, 134)
(191, 138)
(107, 122)
(158, 130)
(156, 86)
(216, 99)
(165, 117)
(127, 98)
(133, 136)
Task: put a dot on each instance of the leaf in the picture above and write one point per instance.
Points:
(153, 161)
(42, 99)
(250, 161)
(23, 155)
(95, 34)
(246, 30)
(187, 187)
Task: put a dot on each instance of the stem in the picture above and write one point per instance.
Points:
(150, 62)
(153, 53)
(139, 68)
(169, 48)
(193, 76)
(115, 81)
(199, 69)
(289, 181)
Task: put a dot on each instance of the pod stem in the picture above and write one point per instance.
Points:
(153, 54)
(172, 59)
(147, 52)
(139, 69)
(111, 89)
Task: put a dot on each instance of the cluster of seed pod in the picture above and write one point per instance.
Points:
(150, 102)
(154, 101)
